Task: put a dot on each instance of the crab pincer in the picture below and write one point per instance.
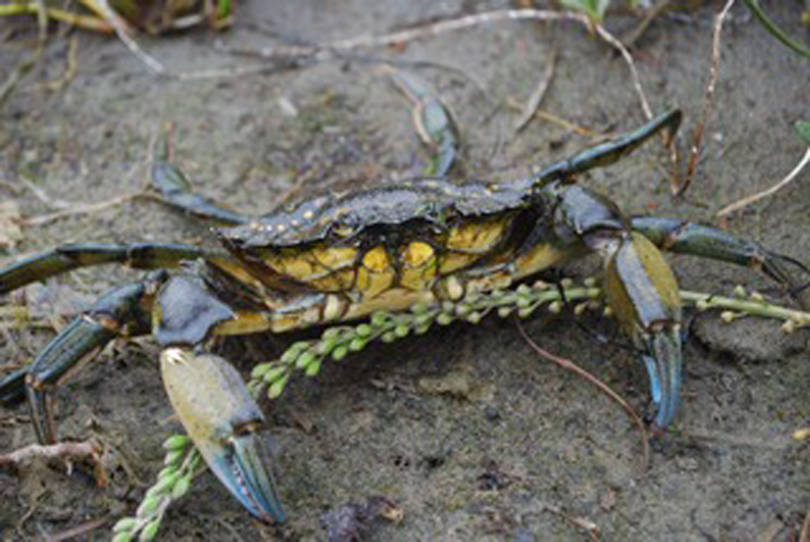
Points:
(214, 405)
(642, 292)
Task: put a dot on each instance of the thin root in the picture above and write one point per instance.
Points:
(79, 530)
(601, 386)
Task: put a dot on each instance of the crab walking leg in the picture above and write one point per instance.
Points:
(214, 406)
(124, 311)
(12, 387)
(609, 152)
(176, 191)
(432, 120)
(73, 256)
(682, 237)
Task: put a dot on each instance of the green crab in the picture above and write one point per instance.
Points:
(338, 258)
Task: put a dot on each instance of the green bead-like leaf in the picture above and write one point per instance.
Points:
(327, 345)
(503, 312)
(125, 524)
(304, 360)
(423, 319)
(313, 368)
(276, 388)
(331, 333)
(300, 346)
(379, 318)
(122, 536)
(150, 531)
(419, 308)
(363, 330)
(275, 374)
(160, 487)
(167, 471)
(173, 457)
(357, 344)
(259, 370)
(176, 442)
(340, 352)
(289, 356)
(148, 506)
(444, 319)
(181, 487)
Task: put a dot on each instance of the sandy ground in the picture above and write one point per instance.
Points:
(529, 438)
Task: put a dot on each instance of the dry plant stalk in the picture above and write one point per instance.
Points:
(700, 127)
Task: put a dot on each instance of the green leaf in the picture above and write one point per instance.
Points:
(803, 127)
(595, 9)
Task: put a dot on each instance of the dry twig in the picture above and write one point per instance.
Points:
(631, 37)
(576, 521)
(62, 450)
(746, 201)
(433, 29)
(697, 135)
(71, 67)
(537, 96)
(79, 530)
(121, 30)
(628, 58)
(89, 208)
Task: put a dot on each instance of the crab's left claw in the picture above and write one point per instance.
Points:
(224, 422)
(643, 294)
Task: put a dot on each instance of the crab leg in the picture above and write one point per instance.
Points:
(124, 311)
(684, 237)
(210, 398)
(609, 152)
(432, 120)
(222, 419)
(176, 190)
(73, 256)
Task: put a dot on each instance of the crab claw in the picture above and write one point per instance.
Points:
(222, 419)
(643, 294)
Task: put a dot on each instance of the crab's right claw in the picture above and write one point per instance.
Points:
(224, 422)
(643, 294)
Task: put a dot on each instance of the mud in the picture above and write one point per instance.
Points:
(531, 444)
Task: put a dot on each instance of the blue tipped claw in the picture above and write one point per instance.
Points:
(224, 422)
